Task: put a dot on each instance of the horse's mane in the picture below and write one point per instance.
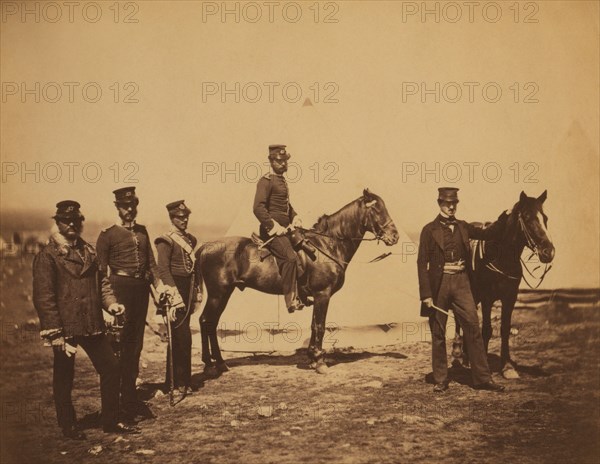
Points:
(332, 223)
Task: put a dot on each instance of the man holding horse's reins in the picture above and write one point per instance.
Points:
(273, 209)
(444, 267)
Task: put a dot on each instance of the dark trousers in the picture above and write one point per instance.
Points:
(134, 295)
(455, 293)
(287, 261)
(101, 354)
(182, 338)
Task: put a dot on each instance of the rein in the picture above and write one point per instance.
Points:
(340, 262)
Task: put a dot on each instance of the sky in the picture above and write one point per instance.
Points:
(365, 94)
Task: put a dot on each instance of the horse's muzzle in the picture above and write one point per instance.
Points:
(390, 236)
(547, 253)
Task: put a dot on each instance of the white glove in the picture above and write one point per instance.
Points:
(109, 319)
(116, 309)
(277, 229)
(297, 223)
(172, 313)
(70, 350)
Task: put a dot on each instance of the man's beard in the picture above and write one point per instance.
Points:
(128, 217)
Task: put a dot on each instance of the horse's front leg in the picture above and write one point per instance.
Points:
(315, 349)
(486, 322)
(509, 370)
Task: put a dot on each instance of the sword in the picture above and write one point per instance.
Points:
(162, 301)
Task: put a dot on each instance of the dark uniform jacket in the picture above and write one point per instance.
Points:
(127, 252)
(430, 260)
(69, 291)
(272, 202)
(173, 259)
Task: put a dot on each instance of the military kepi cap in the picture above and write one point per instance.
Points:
(278, 152)
(448, 194)
(68, 209)
(126, 195)
(178, 208)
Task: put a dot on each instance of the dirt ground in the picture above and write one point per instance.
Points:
(373, 406)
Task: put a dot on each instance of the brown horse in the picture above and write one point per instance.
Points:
(238, 262)
(498, 270)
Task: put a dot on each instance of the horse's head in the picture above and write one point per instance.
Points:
(376, 218)
(533, 223)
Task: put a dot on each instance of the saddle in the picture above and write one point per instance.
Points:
(303, 249)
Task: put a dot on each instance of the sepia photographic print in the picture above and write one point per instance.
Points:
(352, 231)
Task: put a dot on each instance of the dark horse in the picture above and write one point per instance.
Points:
(498, 270)
(238, 262)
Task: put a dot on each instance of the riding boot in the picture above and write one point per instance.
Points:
(292, 301)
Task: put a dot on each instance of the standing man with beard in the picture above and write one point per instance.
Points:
(69, 294)
(444, 268)
(176, 261)
(125, 254)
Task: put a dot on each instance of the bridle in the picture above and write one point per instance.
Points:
(533, 246)
(375, 228)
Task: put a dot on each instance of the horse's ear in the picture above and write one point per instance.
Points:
(543, 196)
(523, 196)
(366, 194)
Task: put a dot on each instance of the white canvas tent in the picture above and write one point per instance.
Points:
(373, 294)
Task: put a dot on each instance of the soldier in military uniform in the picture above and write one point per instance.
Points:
(125, 253)
(444, 267)
(69, 295)
(176, 261)
(273, 209)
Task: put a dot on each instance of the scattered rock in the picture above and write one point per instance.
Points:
(119, 439)
(203, 406)
(514, 331)
(235, 423)
(346, 445)
(265, 411)
(373, 384)
(144, 365)
(371, 422)
(146, 452)
(408, 419)
(286, 433)
(295, 428)
(63, 452)
(95, 450)
(158, 394)
(282, 406)
(262, 398)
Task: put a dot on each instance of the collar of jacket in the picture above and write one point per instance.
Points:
(63, 248)
(438, 233)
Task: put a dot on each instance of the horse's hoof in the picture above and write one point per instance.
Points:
(222, 367)
(313, 365)
(510, 373)
(322, 368)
